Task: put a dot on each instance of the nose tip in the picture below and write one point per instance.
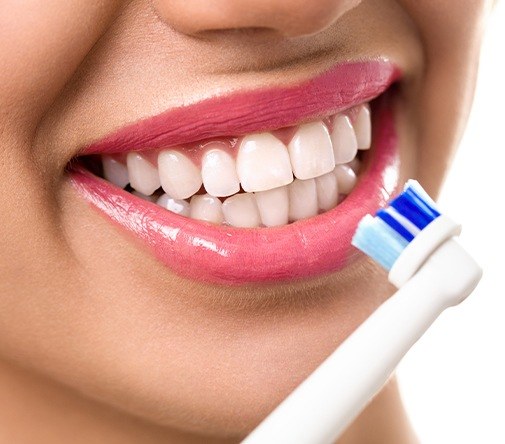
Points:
(289, 18)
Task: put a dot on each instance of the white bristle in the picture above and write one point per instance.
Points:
(379, 241)
(416, 186)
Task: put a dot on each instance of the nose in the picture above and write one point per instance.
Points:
(289, 18)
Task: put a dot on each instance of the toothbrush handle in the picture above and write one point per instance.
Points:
(320, 409)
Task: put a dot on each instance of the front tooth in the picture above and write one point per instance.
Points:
(241, 210)
(115, 172)
(177, 206)
(219, 173)
(346, 178)
(206, 207)
(273, 206)
(263, 163)
(302, 199)
(179, 177)
(311, 151)
(327, 191)
(143, 174)
(343, 137)
(363, 127)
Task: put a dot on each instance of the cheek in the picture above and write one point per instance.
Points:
(47, 40)
(451, 33)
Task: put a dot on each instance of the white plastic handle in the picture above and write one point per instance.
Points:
(320, 409)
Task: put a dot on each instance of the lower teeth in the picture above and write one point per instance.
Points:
(279, 206)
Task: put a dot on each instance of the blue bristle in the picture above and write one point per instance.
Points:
(412, 205)
(423, 195)
(397, 226)
(385, 236)
(408, 207)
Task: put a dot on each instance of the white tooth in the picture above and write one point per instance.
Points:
(115, 172)
(355, 165)
(263, 163)
(151, 198)
(177, 206)
(327, 191)
(241, 210)
(346, 179)
(143, 174)
(206, 207)
(219, 173)
(363, 127)
(273, 206)
(311, 151)
(302, 199)
(343, 137)
(179, 177)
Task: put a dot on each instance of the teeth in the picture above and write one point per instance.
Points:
(302, 199)
(174, 205)
(355, 165)
(241, 211)
(346, 178)
(363, 127)
(144, 197)
(219, 173)
(207, 208)
(115, 172)
(273, 206)
(343, 137)
(311, 151)
(327, 191)
(263, 163)
(143, 174)
(268, 184)
(179, 177)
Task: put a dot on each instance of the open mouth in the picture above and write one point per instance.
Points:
(275, 196)
(260, 180)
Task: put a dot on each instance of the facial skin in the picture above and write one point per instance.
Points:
(95, 334)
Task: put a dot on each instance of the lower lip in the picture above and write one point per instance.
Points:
(227, 255)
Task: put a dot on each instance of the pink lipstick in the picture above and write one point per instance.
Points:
(228, 255)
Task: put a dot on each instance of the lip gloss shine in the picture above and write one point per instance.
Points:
(228, 255)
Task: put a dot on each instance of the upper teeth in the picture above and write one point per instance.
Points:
(263, 163)
(179, 177)
(311, 151)
(143, 174)
(282, 177)
(219, 173)
(363, 127)
(343, 138)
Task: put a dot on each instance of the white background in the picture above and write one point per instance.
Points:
(453, 380)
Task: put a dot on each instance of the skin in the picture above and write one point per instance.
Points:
(98, 341)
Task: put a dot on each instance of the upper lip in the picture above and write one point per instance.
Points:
(253, 111)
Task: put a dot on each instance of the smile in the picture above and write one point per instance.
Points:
(253, 187)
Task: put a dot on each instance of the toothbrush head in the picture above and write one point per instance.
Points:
(385, 236)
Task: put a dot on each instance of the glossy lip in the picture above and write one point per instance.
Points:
(228, 255)
(267, 109)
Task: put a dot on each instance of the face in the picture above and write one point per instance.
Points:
(221, 275)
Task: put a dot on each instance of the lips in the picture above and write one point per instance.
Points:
(229, 255)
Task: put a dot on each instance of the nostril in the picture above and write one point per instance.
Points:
(257, 33)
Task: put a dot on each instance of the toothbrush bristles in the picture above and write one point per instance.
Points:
(385, 236)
